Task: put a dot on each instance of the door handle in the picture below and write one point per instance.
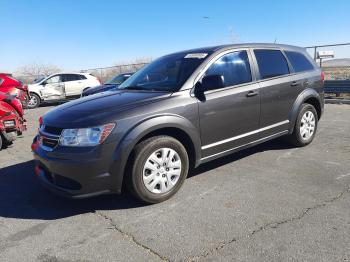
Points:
(294, 83)
(252, 93)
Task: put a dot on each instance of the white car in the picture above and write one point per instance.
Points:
(60, 86)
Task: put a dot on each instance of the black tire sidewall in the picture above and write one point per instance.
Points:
(298, 137)
(142, 152)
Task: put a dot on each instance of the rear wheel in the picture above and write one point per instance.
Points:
(34, 101)
(305, 126)
(159, 169)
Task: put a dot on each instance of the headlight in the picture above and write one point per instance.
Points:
(92, 136)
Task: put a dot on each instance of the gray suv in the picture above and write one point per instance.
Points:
(179, 111)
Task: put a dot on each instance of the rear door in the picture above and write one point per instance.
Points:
(229, 116)
(303, 68)
(277, 90)
(73, 84)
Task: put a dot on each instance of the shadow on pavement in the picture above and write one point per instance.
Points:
(22, 196)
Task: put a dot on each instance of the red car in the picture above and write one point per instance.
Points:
(12, 122)
(12, 86)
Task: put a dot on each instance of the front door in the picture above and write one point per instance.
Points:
(53, 88)
(229, 116)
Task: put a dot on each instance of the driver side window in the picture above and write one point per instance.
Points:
(234, 67)
(53, 80)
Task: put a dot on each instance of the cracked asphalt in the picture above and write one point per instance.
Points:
(272, 202)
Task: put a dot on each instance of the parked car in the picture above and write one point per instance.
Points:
(109, 85)
(58, 87)
(12, 86)
(12, 122)
(180, 111)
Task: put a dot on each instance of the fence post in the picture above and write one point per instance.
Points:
(315, 53)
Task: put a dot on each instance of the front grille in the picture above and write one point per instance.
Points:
(49, 136)
(52, 130)
(49, 142)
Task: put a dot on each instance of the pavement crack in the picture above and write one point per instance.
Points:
(128, 236)
(270, 225)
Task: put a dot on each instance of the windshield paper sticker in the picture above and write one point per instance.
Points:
(196, 55)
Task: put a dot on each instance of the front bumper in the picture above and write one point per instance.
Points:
(76, 174)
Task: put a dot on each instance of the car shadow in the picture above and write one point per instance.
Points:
(276, 144)
(22, 196)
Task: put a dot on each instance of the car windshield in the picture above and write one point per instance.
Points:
(167, 73)
(39, 79)
(117, 80)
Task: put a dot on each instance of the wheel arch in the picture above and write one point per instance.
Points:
(35, 93)
(171, 125)
(309, 96)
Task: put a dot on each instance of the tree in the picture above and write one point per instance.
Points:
(35, 70)
(28, 73)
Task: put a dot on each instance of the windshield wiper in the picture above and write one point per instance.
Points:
(135, 88)
(145, 89)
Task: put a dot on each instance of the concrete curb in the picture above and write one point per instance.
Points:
(337, 101)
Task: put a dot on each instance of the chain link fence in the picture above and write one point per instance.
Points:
(106, 73)
(336, 68)
(103, 73)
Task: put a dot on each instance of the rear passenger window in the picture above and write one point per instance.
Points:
(271, 63)
(234, 67)
(299, 62)
(71, 77)
(82, 77)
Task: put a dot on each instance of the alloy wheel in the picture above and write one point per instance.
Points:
(33, 101)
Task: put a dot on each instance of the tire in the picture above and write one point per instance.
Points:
(34, 101)
(163, 176)
(305, 126)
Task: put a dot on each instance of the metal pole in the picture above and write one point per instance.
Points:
(315, 53)
(328, 45)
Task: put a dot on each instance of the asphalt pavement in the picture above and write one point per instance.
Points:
(272, 202)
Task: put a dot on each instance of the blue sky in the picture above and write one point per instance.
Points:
(76, 35)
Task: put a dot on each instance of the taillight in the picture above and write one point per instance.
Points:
(322, 76)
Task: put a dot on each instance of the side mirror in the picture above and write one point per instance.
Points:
(43, 84)
(212, 82)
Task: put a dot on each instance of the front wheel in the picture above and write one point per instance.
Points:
(34, 101)
(305, 126)
(159, 169)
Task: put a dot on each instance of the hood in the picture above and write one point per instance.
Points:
(99, 108)
(34, 86)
